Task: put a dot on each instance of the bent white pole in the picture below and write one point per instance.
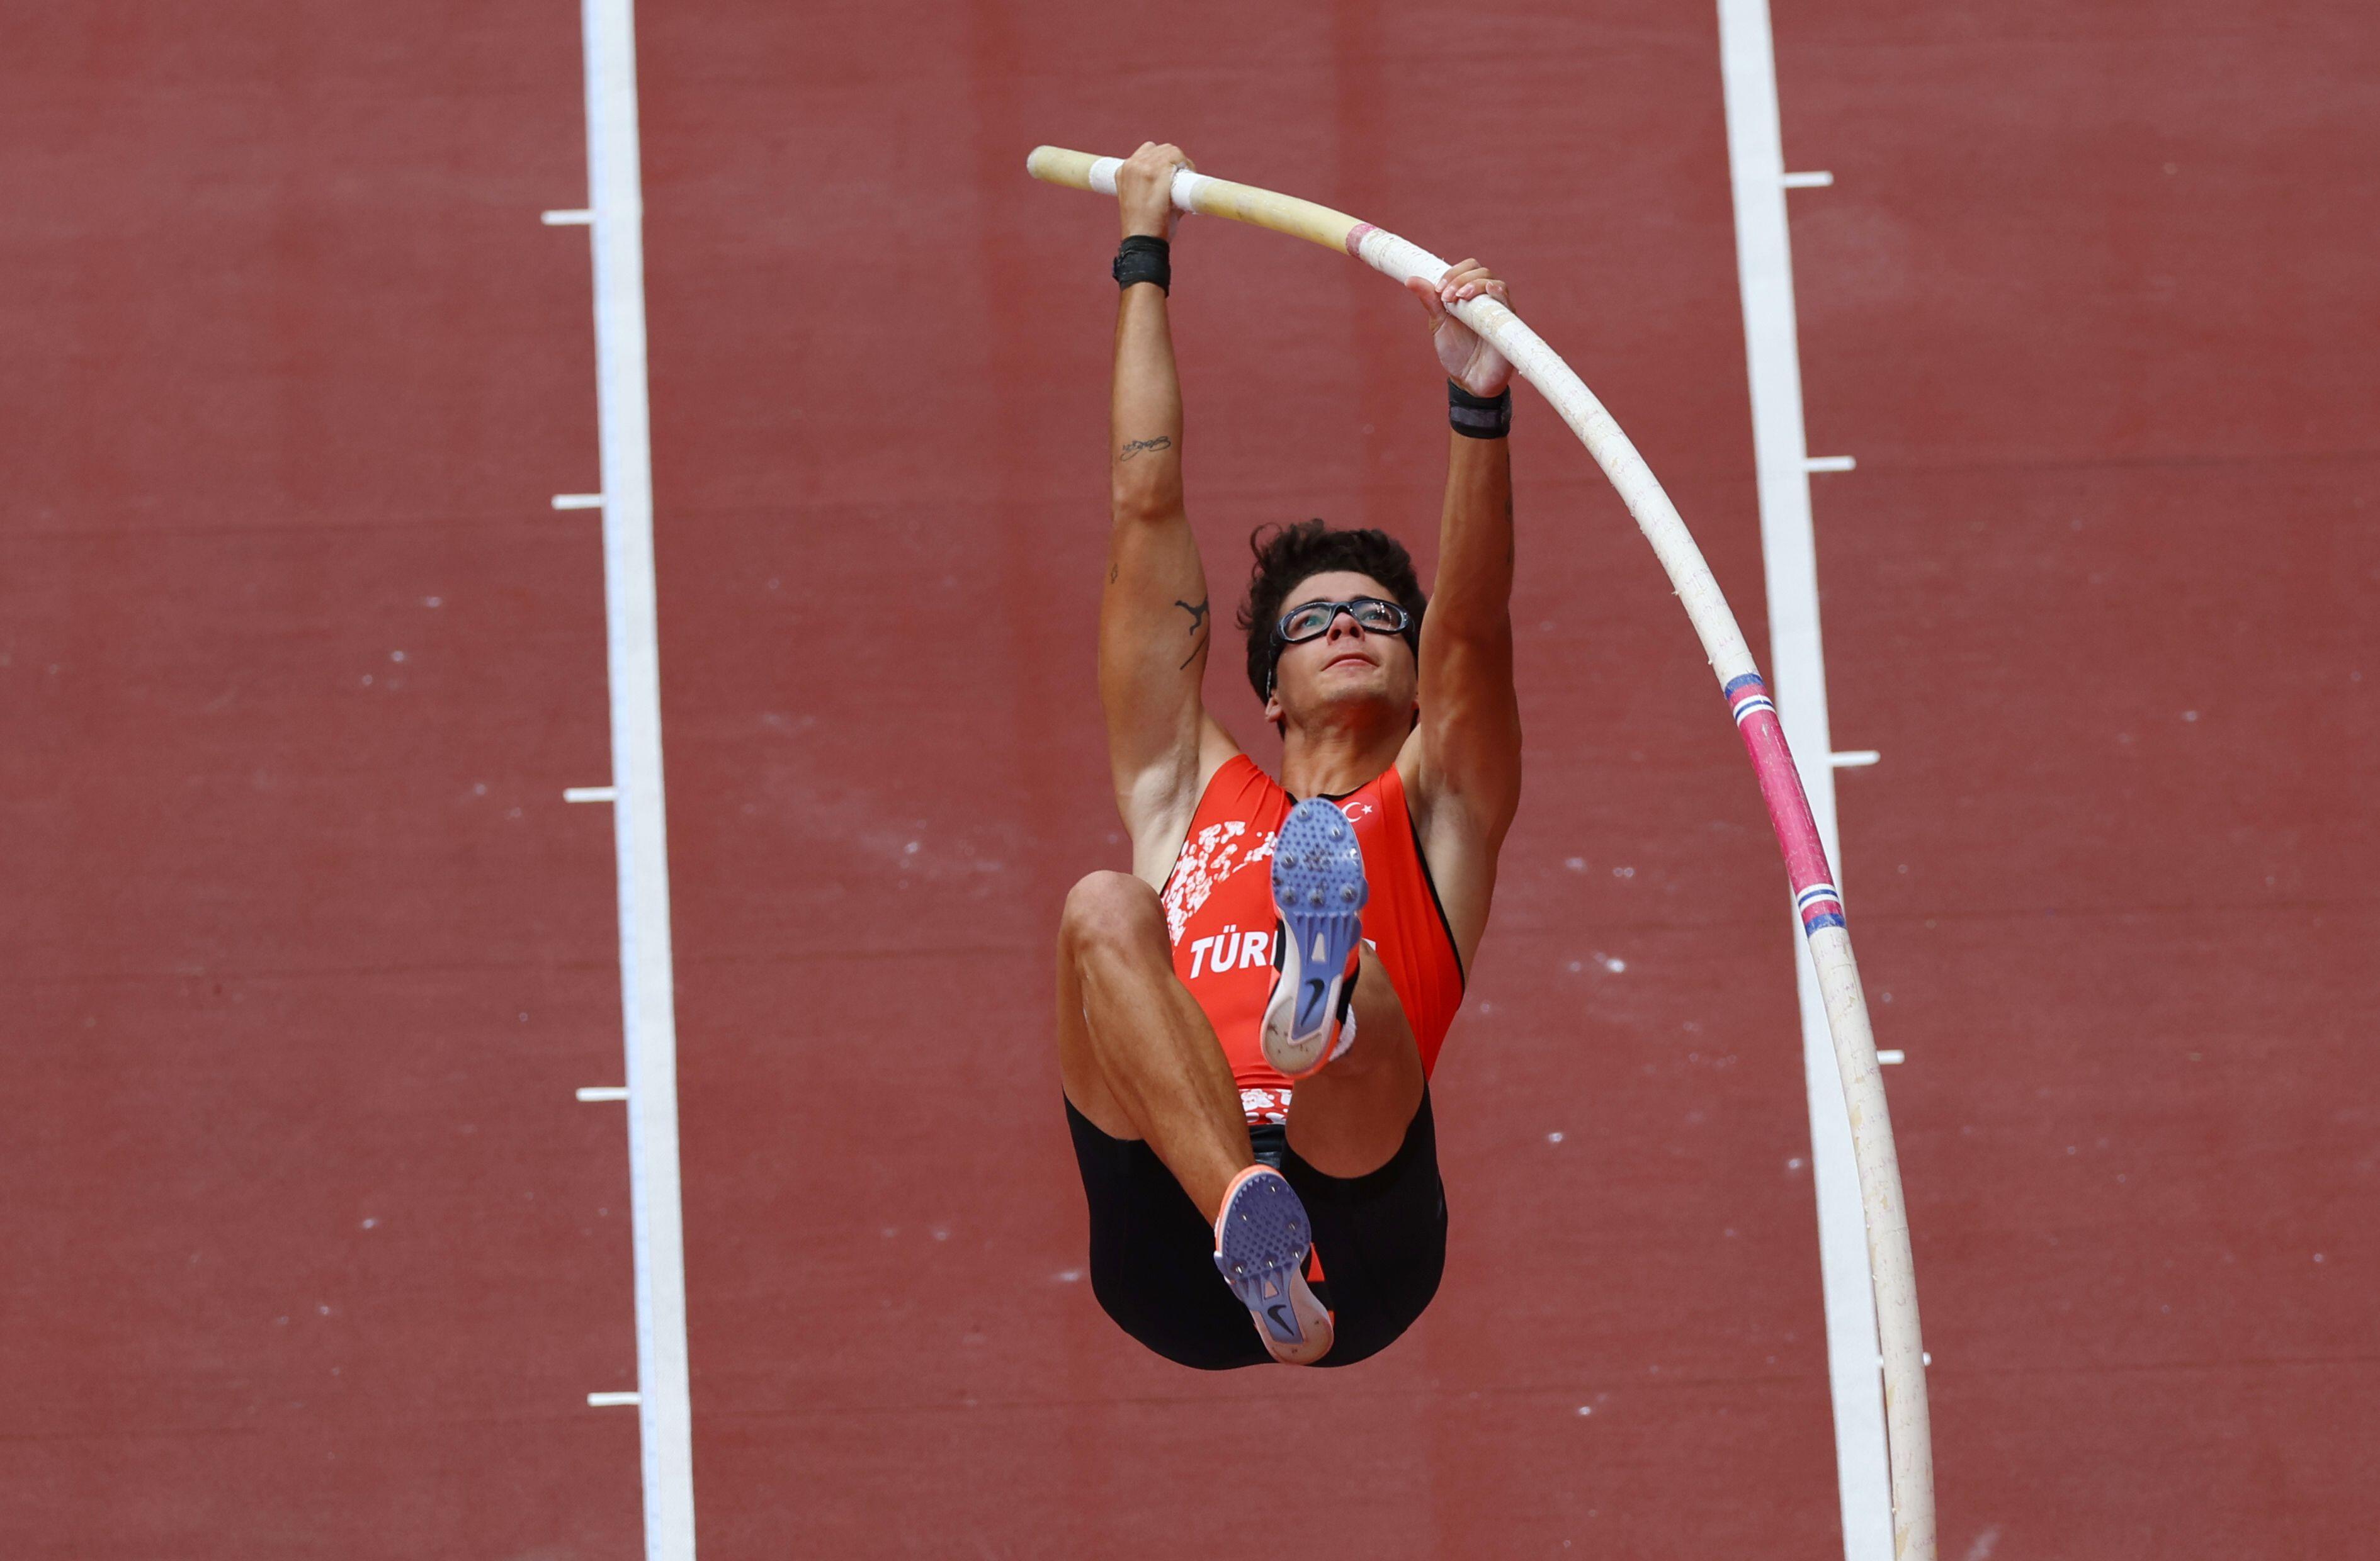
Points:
(1816, 899)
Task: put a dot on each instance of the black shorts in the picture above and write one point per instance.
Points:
(1381, 1240)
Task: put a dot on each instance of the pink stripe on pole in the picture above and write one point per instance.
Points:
(1780, 783)
(1355, 237)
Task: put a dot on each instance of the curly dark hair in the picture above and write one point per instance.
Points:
(1294, 553)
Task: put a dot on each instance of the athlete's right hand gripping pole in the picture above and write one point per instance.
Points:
(1816, 902)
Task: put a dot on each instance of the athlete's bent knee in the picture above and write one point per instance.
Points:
(1111, 911)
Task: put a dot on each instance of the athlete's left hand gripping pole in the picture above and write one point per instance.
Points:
(1816, 902)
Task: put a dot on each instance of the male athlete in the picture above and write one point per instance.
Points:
(1246, 1022)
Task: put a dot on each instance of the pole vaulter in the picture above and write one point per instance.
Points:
(1816, 902)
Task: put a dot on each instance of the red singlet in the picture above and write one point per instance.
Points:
(1219, 915)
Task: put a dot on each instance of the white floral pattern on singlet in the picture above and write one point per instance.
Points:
(1207, 858)
(1265, 1105)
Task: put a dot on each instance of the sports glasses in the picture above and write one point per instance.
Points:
(1312, 620)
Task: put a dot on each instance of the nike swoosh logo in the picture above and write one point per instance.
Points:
(1279, 1321)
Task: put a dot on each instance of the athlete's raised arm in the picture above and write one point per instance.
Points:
(1465, 754)
(1155, 618)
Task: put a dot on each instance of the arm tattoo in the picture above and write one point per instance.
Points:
(1197, 624)
(1137, 445)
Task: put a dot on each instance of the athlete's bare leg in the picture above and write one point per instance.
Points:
(1348, 1119)
(1136, 1055)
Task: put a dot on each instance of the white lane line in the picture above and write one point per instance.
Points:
(1806, 181)
(1830, 464)
(590, 793)
(606, 1400)
(1765, 270)
(1854, 758)
(578, 500)
(1890, 1057)
(647, 981)
(602, 1092)
(567, 219)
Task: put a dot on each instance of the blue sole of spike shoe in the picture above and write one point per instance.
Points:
(1260, 1246)
(1319, 890)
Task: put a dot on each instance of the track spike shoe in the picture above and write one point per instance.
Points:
(1261, 1239)
(1318, 891)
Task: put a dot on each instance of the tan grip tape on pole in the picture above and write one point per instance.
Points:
(1208, 197)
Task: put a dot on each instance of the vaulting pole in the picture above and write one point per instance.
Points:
(1816, 899)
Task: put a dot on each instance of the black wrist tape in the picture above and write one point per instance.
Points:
(1143, 258)
(1478, 417)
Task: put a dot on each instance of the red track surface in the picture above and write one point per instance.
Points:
(314, 1254)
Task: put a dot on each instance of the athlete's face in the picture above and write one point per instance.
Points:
(1347, 673)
